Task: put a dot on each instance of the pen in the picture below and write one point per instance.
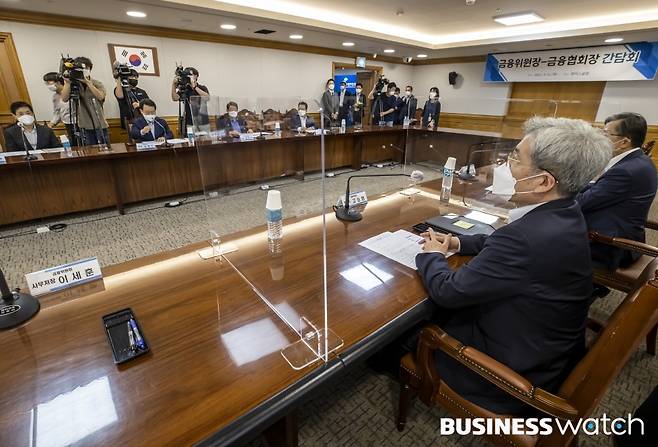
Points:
(131, 338)
(138, 338)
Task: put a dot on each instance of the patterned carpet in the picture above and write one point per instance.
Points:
(357, 410)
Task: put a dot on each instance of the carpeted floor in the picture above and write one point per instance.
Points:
(357, 410)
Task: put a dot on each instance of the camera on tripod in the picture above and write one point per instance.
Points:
(381, 83)
(182, 76)
(123, 72)
(71, 69)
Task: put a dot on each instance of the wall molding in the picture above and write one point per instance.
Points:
(57, 20)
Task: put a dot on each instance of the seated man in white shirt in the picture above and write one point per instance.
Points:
(301, 121)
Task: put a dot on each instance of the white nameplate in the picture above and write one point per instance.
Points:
(147, 146)
(63, 276)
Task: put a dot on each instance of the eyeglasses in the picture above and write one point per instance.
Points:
(515, 157)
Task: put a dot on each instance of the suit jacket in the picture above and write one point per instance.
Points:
(161, 130)
(224, 123)
(329, 104)
(522, 299)
(407, 108)
(296, 121)
(344, 110)
(617, 204)
(357, 115)
(14, 138)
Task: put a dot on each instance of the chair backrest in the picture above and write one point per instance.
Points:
(647, 147)
(623, 333)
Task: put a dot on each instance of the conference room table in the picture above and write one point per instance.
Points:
(92, 178)
(215, 374)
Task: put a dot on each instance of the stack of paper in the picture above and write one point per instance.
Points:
(401, 246)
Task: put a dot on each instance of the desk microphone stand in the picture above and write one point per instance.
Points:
(15, 308)
(26, 145)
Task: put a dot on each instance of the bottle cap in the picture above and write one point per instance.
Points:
(450, 163)
(273, 200)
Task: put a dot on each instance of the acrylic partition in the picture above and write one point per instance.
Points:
(261, 168)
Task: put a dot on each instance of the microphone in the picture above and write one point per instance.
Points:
(15, 308)
(165, 144)
(27, 156)
(343, 212)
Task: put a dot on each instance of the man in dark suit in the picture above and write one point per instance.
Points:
(231, 122)
(345, 101)
(523, 298)
(408, 105)
(149, 127)
(300, 120)
(26, 133)
(358, 105)
(618, 202)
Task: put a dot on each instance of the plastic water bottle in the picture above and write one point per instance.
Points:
(66, 144)
(277, 129)
(342, 125)
(446, 185)
(274, 214)
(190, 134)
(406, 122)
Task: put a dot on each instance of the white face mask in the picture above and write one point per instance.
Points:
(330, 87)
(86, 72)
(407, 93)
(26, 120)
(149, 118)
(504, 183)
(52, 87)
(432, 95)
(302, 112)
(342, 87)
(358, 90)
(233, 114)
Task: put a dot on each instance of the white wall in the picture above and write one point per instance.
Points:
(630, 96)
(227, 70)
(469, 95)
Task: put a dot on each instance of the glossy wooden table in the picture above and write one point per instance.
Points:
(90, 179)
(215, 374)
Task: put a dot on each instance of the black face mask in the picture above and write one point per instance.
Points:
(133, 82)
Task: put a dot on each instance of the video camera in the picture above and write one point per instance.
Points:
(182, 76)
(72, 69)
(381, 83)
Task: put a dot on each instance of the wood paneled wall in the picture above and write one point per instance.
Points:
(12, 84)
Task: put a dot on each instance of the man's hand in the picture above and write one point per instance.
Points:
(441, 243)
(135, 105)
(234, 133)
(145, 130)
(160, 140)
(51, 125)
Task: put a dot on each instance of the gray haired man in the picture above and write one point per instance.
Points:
(523, 298)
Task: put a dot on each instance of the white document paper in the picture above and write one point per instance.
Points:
(2, 159)
(178, 141)
(17, 153)
(401, 246)
(481, 217)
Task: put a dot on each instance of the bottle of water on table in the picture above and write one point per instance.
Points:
(274, 215)
(446, 185)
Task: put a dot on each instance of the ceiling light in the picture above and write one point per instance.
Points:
(348, 44)
(389, 50)
(138, 14)
(420, 56)
(296, 36)
(614, 40)
(227, 26)
(519, 18)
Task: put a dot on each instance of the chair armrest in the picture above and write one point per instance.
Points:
(433, 338)
(626, 244)
(651, 224)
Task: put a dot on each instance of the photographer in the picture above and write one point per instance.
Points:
(126, 85)
(61, 111)
(90, 115)
(184, 86)
(384, 103)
